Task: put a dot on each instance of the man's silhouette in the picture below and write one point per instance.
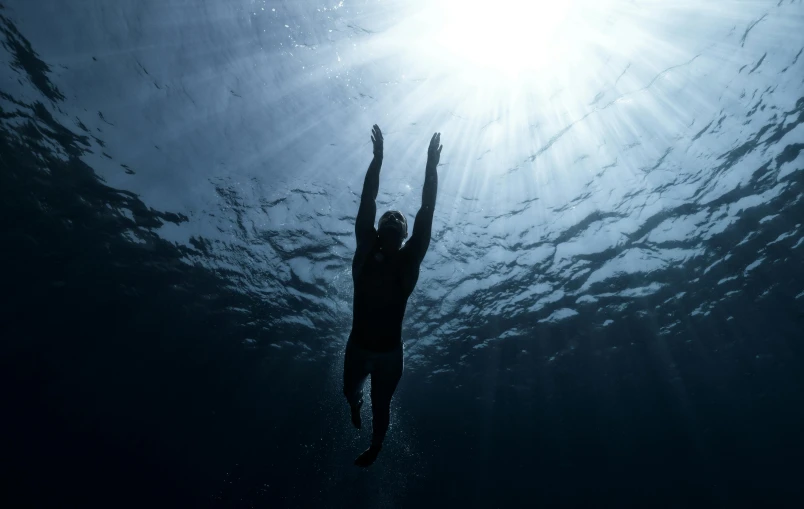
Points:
(384, 274)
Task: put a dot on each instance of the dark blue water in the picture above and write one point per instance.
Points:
(610, 314)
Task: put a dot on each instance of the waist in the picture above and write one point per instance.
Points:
(375, 354)
(375, 342)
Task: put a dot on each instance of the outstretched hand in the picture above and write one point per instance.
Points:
(376, 139)
(434, 152)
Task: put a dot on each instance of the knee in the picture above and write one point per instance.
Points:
(380, 407)
(352, 393)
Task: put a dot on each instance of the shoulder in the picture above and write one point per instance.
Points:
(409, 268)
(408, 256)
(367, 241)
(365, 247)
(366, 235)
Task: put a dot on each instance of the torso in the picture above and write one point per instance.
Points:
(382, 282)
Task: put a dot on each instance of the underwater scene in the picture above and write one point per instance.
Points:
(402, 253)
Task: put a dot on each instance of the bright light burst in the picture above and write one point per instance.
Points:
(508, 36)
(505, 41)
(522, 85)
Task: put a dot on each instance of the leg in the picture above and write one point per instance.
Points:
(384, 379)
(354, 376)
(383, 384)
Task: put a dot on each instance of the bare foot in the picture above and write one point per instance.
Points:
(356, 414)
(368, 456)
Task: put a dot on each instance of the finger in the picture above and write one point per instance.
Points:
(439, 149)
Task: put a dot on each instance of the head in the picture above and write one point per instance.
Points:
(393, 227)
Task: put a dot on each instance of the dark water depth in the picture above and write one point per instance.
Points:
(175, 340)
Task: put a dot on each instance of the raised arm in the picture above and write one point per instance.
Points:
(364, 225)
(422, 227)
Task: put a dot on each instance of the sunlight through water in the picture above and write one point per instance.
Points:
(507, 36)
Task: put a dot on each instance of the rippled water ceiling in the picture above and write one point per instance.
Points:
(594, 152)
